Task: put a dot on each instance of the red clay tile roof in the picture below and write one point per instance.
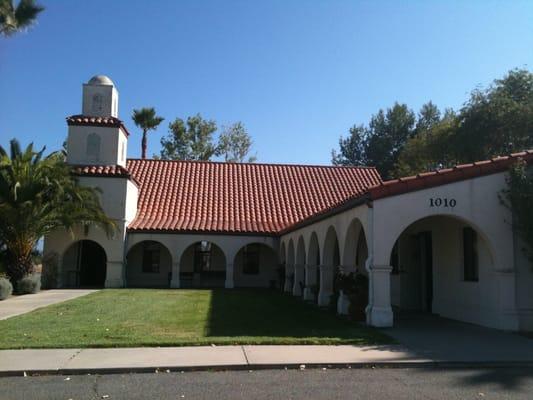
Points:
(417, 182)
(191, 196)
(111, 171)
(448, 175)
(97, 121)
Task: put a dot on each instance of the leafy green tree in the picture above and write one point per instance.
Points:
(518, 197)
(495, 121)
(428, 117)
(498, 120)
(380, 143)
(352, 149)
(388, 133)
(191, 140)
(147, 120)
(432, 147)
(17, 18)
(39, 195)
(234, 143)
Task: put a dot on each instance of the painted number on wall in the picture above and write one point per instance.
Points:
(442, 202)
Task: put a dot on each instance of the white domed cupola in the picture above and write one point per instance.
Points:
(100, 97)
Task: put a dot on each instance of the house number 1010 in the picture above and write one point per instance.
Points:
(442, 202)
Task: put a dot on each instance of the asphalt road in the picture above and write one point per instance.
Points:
(309, 384)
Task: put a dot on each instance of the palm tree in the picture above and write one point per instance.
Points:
(146, 119)
(15, 19)
(39, 195)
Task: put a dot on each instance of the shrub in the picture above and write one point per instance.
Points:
(6, 288)
(29, 284)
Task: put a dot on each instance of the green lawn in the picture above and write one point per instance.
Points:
(149, 317)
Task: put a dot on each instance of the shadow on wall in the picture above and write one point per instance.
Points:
(262, 313)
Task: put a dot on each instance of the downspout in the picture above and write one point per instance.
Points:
(369, 262)
(124, 256)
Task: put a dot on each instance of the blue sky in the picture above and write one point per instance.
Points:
(298, 74)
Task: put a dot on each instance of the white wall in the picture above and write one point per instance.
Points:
(453, 297)
(135, 277)
(229, 244)
(111, 140)
(341, 223)
(477, 204)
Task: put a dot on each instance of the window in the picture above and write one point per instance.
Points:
(395, 259)
(251, 259)
(202, 256)
(470, 256)
(93, 147)
(151, 257)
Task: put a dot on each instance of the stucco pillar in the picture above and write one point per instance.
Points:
(298, 280)
(310, 280)
(114, 275)
(289, 270)
(175, 281)
(326, 285)
(229, 277)
(379, 310)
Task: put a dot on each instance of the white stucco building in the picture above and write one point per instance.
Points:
(439, 242)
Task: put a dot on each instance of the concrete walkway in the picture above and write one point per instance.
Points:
(440, 339)
(69, 361)
(425, 341)
(17, 305)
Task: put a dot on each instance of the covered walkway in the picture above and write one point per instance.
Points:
(440, 339)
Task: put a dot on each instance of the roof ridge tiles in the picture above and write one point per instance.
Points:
(347, 167)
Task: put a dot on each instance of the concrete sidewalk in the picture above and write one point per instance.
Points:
(18, 305)
(71, 361)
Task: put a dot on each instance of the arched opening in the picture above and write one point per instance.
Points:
(355, 248)
(256, 265)
(331, 260)
(312, 283)
(148, 264)
(331, 248)
(289, 268)
(442, 265)
(282, 265)
(299, 269)
(84, 265)
(203, 264)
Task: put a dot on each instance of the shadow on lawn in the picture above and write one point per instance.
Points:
(267, 313)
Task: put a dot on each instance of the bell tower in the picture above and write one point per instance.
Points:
(100, 97)
(97, 136)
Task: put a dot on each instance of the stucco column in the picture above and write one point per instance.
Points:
(298, 280)
(114, 277)
(175, 282)
(289, 270)
(310, 280)
(326, 285)
(379, 310)
(229, 277)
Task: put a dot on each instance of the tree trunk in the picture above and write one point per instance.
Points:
(17, 267)
(143, 145)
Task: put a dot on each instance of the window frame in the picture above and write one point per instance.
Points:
(251, 259)
(151, 251)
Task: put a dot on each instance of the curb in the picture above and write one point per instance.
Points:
(259, 367)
